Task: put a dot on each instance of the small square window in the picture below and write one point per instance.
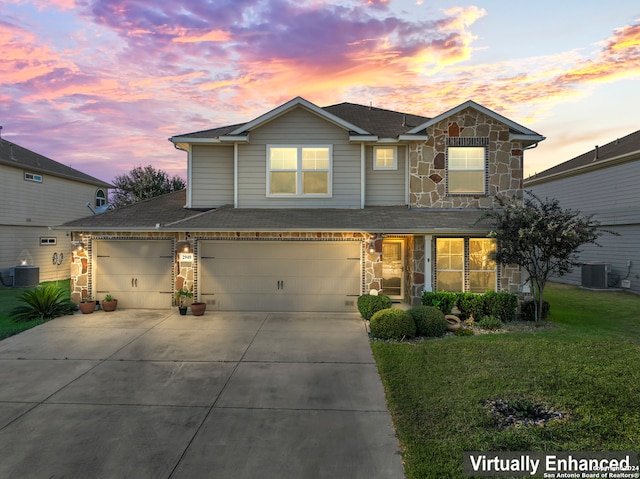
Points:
(33, 177)
(385, 158)
(46, 241)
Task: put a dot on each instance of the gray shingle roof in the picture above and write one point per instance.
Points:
(15, 155)
(142, 215)
(619, 147)
(168, 211)
(377, 121)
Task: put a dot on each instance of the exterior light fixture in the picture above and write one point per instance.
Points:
(78, 245)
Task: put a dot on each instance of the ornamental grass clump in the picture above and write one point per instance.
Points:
(430, 321)
(369, 304)
(392, 324)
(490, 323)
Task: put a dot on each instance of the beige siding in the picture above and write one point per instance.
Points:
(52, 202)
(612, 196)
(29, 208)
(212, 176)
(385, 187)
(22, 243)
(299, 127)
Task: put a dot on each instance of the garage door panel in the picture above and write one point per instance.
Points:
(281, 276)
(137, 273)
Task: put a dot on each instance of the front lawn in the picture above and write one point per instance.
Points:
(9, 300)
(584, 366)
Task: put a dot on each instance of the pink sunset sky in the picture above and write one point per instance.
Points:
(101, 84)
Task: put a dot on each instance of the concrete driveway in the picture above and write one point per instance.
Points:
(151, 394)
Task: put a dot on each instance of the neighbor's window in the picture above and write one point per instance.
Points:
(466, 170)
(299, 170)
(46, 241)
(465, 265)
(33, 177)
(385, 158)
(101, 198)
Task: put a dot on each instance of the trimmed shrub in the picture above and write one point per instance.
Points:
(392, 324)
(369, 304)
(528, 310)
(429, 320)
(470, 304)
(43, 303)
(443, 300)
(502, 305)
(490, 322)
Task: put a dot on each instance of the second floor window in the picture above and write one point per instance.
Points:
(101, 198)
(299, 170)
(466, 170)
(385, 158)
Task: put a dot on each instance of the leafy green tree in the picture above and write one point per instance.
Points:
(541, 237)
(142, 183)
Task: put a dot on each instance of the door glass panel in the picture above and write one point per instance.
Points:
(392, 269)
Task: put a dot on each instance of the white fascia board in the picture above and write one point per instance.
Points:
(533, 138)
(234, 139)
(413, 137)
(297, 101)
(480, 108)
(361, 138)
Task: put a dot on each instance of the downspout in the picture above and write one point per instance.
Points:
(235, 175)
(363, 164)
(407, 181)
(189, 175)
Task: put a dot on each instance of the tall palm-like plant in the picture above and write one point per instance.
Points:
(43, 303)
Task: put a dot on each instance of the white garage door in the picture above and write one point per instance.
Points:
(280, 275)
(136, 273)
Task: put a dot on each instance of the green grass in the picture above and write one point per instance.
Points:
(9, 300)
(585, 365)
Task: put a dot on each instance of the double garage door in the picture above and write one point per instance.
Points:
(234, 275)
(280, 275)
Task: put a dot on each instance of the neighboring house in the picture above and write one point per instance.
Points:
(305, 208)
(602, 182)
(36, 193)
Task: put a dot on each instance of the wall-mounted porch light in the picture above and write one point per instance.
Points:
(372, 244)
(78, 245)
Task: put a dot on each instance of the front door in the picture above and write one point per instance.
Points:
(393, 268)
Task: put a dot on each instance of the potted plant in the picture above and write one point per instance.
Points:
(109, 303)
(198, 308)
(87, 305)
(181, 297)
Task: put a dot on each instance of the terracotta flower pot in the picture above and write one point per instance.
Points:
(198, 309)
(453, 322)
(110, 305)
(87, 307)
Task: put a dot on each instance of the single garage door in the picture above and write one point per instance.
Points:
(280, 275)
(136, 273)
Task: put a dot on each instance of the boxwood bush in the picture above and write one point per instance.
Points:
(429, 321)
(392, 324)
(369, 304)
(443, 300)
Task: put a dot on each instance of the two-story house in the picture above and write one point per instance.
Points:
(36, 193)
(602, 182)
(305, 208)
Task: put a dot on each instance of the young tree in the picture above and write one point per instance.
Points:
(143, 183)
(541, 237)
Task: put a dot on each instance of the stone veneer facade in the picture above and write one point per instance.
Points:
(428, 162)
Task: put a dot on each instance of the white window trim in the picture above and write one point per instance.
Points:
(299, 170)
(103, 198)
(484, 171)
(48, 240)
(37, 178)
(394, 166)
